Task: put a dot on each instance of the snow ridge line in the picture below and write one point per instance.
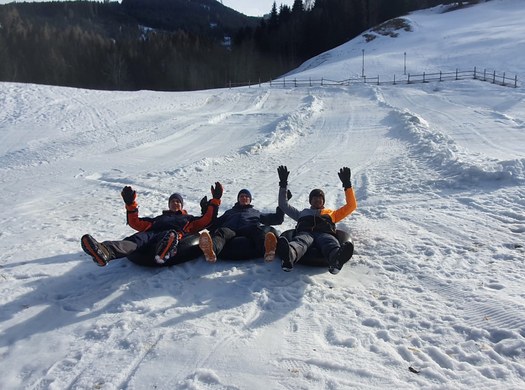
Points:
(291, 126)
(456, 162)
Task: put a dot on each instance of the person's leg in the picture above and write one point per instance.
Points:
(291, 252)
(335, 253)
(212, 244)
(98, 251)
(103, 252)
(166, 245)
(327, 244)
(255, 236)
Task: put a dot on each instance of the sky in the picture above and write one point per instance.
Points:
(432, 298)
(247, 7)
(255, 7)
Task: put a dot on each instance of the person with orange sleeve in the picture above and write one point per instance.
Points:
(316, 225)
(159, 235)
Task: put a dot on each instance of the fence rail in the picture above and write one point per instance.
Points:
(486, 76)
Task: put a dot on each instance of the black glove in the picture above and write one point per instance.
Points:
(345, 176)
(283, 176)
(129, 195)
(288, 195)
(204, 205)
(217, 190)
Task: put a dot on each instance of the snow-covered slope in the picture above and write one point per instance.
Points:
(433, 297)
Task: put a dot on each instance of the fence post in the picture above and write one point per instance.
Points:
(440, 76)
(494, 77)
(377, 79)
(310, 81)
(394, 79)
(408, 79)
(456, 74)
(284, 82)
(322, 81)
(503, 78)
(424, 77)
(484, 74)
(475, 76)
(516, 81)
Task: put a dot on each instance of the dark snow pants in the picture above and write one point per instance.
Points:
(327, 243)
(141, 241)
(253, 233)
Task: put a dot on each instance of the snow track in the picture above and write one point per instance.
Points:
(433, 297)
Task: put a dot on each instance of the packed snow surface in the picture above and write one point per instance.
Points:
(433, 297)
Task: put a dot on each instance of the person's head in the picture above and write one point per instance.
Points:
(175, 202)
(316, 198)
(244, 197)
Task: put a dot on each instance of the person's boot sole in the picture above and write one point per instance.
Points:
(270, 245)
(167, 245)
(206, 245)
(89, 246)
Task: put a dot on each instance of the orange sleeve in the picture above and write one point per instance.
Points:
(204, 221)
(133, 219)
(347, 209)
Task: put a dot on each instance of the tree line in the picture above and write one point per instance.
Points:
(97, 45)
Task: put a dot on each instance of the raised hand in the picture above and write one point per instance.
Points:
(129, 195)
(345, 175)
(217, 190)
(283, 173)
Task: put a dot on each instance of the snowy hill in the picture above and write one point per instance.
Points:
(433, 297)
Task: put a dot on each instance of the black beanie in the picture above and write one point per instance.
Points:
(176, 196)
(316, 192)
(246, 192)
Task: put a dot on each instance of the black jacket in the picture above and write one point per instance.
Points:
(241, 217)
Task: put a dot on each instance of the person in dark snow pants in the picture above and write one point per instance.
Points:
(159, 234)
(242, 220)
(315, 225)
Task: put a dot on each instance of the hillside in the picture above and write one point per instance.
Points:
(432, 299)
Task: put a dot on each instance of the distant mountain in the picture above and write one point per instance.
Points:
(196, 16)
(202, 17)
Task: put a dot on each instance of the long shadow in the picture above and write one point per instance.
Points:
(86, 291)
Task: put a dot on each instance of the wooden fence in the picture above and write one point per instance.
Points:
(487, 76)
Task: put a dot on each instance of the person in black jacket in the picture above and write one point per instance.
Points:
(158, 235)
(242, 220)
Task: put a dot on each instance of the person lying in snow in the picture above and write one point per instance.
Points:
(315, 225)
(159, 235)
(242, 220)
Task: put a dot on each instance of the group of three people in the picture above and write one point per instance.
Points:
(158, 237)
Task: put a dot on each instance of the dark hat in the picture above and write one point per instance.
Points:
(178, 196)
(316, 192)
(246, 192)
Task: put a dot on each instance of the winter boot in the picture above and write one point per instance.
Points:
(206, 245)
(270, 244)
(339, 258)
(167, 247)
(98, 252)
(286, 253)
